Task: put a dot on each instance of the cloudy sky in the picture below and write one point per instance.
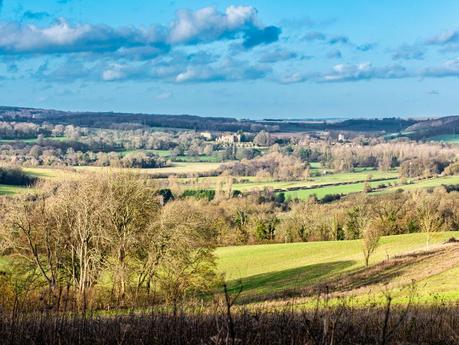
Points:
(291, 58)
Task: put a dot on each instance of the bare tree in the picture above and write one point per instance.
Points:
(370, 241)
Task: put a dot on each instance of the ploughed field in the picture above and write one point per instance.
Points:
(401, 264)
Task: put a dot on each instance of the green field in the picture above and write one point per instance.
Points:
(346, 177)
(10, 190)
(320, 192)
(447, 138)
(429, 183)
(274, 268)
(176, 168)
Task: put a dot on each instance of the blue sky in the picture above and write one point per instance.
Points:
(286, 59)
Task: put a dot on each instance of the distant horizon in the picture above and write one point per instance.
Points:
(292, 118)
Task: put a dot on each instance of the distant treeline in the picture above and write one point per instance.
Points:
(132, 121)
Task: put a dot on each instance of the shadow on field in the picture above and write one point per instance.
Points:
(261, 286)
(338, 279)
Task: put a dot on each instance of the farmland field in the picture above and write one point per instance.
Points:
(320, 192)
(428, 183)
(267, 269)
(330, 178)
(52, 173)
(176, 168)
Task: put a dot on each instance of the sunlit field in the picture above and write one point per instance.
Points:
(277, 269)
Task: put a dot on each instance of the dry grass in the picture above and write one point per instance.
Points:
(339, 326)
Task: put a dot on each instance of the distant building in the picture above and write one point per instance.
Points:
(341, 137)
(206, 135)
(229, 139)
(233, 140)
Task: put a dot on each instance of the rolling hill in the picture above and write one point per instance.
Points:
(434, 127)
(281, 271)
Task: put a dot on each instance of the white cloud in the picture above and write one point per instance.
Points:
(208, 23)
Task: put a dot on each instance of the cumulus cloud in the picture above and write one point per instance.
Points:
(408, 52)
(61, 37)
(314, 36)
(449, 37)
(329, 39)
(366, 47)
(448, 41)
(363, 71)
(336, 40)
(209, 24)
(190, 27)
(278, 55)
(68, 71)
(196, 70)
(229, 70)
(255, 36)
(449, 68)
(348, 73)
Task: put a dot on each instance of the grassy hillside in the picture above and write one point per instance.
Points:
(266, 270)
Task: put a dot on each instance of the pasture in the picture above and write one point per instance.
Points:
(277, 269)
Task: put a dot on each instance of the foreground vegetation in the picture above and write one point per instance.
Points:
(342, 325)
